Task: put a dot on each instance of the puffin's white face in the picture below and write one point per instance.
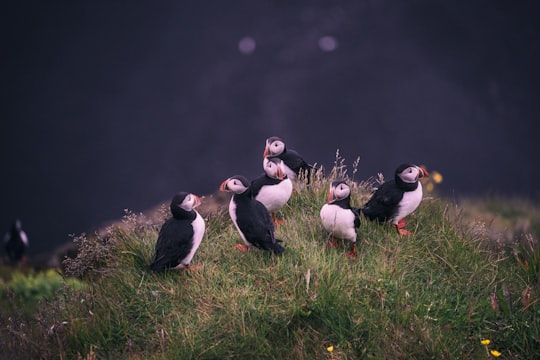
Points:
(276, 147)
(411, 174)
(274, 169)
(338, 192)
(234, 185)
(190, 202)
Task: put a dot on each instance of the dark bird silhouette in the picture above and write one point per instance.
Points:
(16, 243)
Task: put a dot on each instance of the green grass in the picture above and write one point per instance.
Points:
(435, 294)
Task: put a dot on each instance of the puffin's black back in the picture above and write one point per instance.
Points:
(258, 183)
(383, 204)
(174, 243)
(294, 161)
(255, 222)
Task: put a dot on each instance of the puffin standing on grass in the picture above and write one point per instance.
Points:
(339, 218)
(16, 243)
(273, 189)
(180, 236)
(398, 198)
(250, 217)
(294, 163)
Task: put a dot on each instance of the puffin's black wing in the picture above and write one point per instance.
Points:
(356, 212)
(384, 202)
(257, 226)
(295, 161)
(174, 243)
(258, 183)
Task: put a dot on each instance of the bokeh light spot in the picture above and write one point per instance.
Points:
(247, 45)
(328, 43)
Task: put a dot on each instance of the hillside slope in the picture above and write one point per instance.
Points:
(436, 294)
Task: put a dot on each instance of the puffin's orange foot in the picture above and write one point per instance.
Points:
(351, 254)
(276, 220)
(401, 231)
(195, 267)
(404, 232)
(332, 244)
(242, 247)
(401, 223)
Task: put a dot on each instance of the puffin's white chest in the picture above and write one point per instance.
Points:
(198, 233)
(409, 203)
(338, 221)
(290, 173)
(274, 197)
(232, 214)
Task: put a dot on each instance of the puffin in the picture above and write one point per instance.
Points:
(16, 243)
(397, 198)
(339, 218)
(273, 188)
(250, 217)
(294, 163)
(180, 236)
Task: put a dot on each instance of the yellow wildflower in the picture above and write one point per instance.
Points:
(485, 342)
(437, 177)
(495, 353)
(330, 348)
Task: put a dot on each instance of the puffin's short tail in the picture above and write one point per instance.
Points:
(278, 249)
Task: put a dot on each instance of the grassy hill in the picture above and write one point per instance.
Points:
(436, 294)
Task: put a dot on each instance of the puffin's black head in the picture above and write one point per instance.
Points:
(410, 173)
(274, 147)
(16, 225)
(237, 184)
(274, 168)
(183, 203)
(339, 190)
(407, 176)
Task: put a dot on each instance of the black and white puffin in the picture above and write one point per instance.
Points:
(339, 218)
(180, 236)
(16, 243)
(250, 217)
(395, 199)
(274, 188)
(294, 163)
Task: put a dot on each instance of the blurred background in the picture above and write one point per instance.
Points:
(109, 106)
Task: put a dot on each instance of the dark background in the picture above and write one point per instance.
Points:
(108, 105)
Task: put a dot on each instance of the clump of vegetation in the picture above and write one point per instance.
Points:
(440, 293)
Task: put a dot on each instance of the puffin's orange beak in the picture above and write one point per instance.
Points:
(280, 173)
(267, 151)
(198, 200)
(423, 172)
(223, 186)
(331, 197)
